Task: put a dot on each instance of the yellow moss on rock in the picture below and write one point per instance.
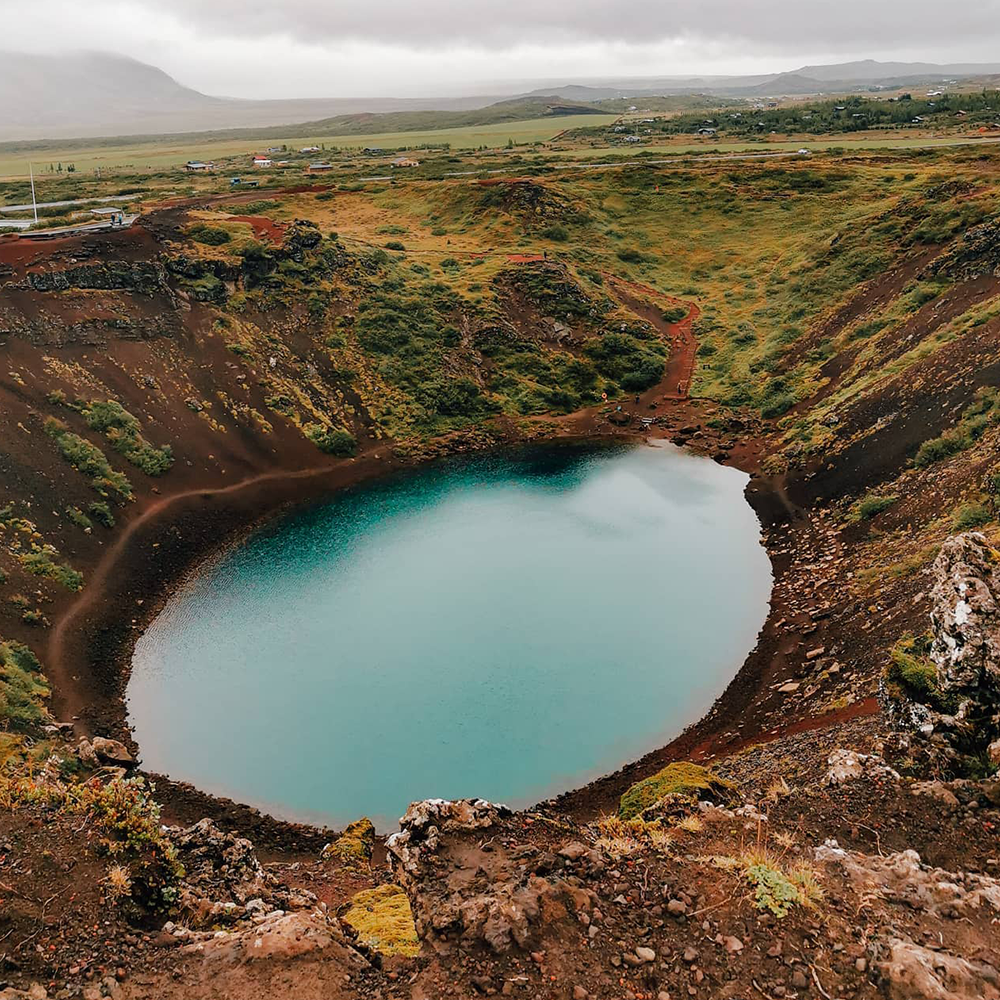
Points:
(354, 846)
(681, 778)
(384, 921)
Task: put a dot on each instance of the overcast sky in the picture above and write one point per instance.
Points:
(332, 48)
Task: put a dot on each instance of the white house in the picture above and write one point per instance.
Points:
(262, 161)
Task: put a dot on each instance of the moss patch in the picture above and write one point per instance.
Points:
(682, 778)
(910, 670)
(384, 921)
(354, 846)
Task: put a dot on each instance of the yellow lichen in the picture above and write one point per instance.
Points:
(384, 921)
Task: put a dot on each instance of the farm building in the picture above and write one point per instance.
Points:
(198, 166)
(262, 161)
(317, 168)
(405, 161)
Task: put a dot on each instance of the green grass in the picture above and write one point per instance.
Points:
(169, 152)
(871, 506)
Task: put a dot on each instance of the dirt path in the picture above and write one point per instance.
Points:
(106, 577)
(676, 382)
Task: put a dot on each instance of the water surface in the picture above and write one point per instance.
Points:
(502, 627)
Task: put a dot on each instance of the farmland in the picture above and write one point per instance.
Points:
(167, 152)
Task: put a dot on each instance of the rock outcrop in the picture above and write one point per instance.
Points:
(224, 881)
(952, 967)
(514, 893)
(950, 694)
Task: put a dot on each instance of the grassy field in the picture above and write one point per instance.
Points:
(159, 155)
(709, 146)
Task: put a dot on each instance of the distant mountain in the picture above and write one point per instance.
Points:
(99, 94)
(90, 94)
(833, 78)
(865, 70)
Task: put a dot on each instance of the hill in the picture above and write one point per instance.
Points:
(98, 93)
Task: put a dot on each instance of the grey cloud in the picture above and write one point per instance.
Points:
(766, 25)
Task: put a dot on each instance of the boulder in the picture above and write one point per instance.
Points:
(111, 752)
(848, 765)
(912, 972)
(467, 887)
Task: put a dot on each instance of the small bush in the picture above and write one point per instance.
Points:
(630, 255)
(332, 441)
(394, 245)
(872, 505)
(23, 689)
(555, 233)
(939, 448)
(101, 513)
(78, 518)
(41, 561)
(212, 236)
(972, 515)
(129, 819)
(777, 890)
(674, 314)
(910, 673)
(88, 459)
(122, 430)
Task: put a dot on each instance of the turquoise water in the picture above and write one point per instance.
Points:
(503, 627)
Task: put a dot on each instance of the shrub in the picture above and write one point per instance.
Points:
(624, 359)
(101, 513)
(460, 397)
(972, 515)
(122, 430)
(332, 441)
(630, 255)
(394, 245)
(129, 819)
(777, 405)
(88, 459)
(939, 448)
(777, 890)
(212, 236)
(556, 233)
(910, 672)
(681, 778)
(674, 314)
(23, 689)
(872, 505)
(78, 518)
(41, 561)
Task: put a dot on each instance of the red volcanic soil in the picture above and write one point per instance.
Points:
(263, 227)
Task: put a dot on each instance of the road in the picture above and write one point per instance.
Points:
(66, 204)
